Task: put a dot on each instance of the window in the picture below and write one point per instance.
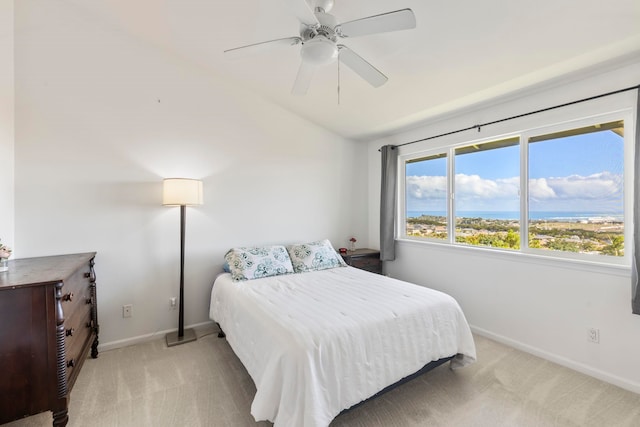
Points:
(487, 194)
(576, 190)
(555, 191)
(427, 197)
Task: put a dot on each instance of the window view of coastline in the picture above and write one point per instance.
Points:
(575, 193)
(426, 188)
(578, 170)
(488, 177)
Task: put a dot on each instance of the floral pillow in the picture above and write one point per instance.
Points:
(257, 262)
(314, 256)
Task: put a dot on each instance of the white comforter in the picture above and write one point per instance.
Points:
(317, 343)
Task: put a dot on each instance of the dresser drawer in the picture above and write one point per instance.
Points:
(77, 328)
(76, 291)
(78, 339)
(77, 306)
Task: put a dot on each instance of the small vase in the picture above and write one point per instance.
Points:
(4, 264)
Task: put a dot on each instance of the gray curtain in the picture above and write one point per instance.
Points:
(388, 202)
(635, 249)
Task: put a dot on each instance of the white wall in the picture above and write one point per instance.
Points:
(6, 124)
(101, 118)
(539, 307)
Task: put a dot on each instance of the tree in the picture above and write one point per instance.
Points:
(512, 240)
(616, 248)
(534, 243)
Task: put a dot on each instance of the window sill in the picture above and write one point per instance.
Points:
(549, 261)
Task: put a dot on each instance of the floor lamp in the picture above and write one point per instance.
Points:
(181, 192)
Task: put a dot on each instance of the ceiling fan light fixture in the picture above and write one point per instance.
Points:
(319, 51)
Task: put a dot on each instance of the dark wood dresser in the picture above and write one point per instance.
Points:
(364, 259)
(48, 326)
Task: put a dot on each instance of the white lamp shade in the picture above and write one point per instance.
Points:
(181, 191)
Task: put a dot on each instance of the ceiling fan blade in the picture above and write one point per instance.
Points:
(303, 12)
(303, 79)
(361, 67)
(262, 47)
(403, 19)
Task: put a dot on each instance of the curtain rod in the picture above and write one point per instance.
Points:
(481, 125)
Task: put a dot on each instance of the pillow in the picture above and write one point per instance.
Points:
(257, 262)
(314, 256)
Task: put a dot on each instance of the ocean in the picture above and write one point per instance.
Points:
(549, 215)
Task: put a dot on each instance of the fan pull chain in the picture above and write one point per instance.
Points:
(338, 78)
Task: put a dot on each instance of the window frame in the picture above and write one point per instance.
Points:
(402, 170)
(496, 139)
(580, 117)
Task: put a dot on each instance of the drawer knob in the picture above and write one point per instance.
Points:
(87, 275)
(70, 332)
(71, 363)
(68, 297)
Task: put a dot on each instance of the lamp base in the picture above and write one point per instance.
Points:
(173, 338)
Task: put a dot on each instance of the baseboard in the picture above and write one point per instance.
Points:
(148, 337)
(560, 360)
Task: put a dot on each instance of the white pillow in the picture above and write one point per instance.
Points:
(256, 262)
(314, 256)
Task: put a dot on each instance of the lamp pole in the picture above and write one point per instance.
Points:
(183, 212)
(181, 192)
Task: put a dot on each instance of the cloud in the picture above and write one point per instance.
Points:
(599, 186)
(473, 186)
(426, 187)
(540, 189)
(562, 191)
(467, 186)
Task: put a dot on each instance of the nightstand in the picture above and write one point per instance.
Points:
(364, 259)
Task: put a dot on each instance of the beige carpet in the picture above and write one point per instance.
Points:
(204, 384)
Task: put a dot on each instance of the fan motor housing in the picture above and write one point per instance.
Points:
(327, 24)
(327, 27)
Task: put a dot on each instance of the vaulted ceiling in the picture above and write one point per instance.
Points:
(460, 54)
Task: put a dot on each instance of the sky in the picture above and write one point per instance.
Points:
(579, 173)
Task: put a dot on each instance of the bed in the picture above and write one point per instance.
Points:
(318, 342)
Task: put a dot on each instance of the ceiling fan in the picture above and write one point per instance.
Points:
(319, 34)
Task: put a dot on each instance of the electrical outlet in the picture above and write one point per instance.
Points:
(173, 302)
(127, 310)
(593, 335)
